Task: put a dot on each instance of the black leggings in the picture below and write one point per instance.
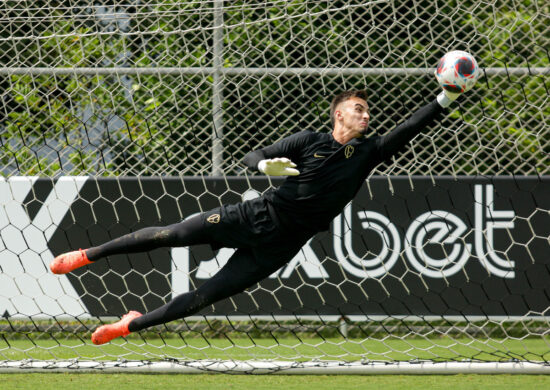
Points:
(241, 271)
(185, 233)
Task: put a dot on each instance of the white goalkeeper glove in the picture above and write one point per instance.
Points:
(280, 166)
(445, 98)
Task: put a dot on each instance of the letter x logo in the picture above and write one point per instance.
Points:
(27, 287)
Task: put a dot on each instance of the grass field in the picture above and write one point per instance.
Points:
(278, 349)
(259, 382)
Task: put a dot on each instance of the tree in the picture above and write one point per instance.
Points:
(147, 124)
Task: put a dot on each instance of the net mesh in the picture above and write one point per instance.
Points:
(109, 122)
(123, 91)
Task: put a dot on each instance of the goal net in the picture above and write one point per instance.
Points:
(117, 115)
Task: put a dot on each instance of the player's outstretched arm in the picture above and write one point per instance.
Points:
(398, 138)
(278, 159)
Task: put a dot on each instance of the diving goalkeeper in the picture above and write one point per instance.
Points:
(325, 171)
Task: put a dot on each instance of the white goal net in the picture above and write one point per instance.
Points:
(117, 115)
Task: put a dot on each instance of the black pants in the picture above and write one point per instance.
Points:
(247, 266)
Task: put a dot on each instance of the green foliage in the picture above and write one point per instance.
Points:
(162, 124)
(93, 124)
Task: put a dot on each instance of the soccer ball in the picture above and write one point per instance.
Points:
(457, 71)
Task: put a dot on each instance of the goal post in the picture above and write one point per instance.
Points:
(133, 114)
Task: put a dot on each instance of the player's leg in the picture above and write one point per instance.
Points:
(241, 271)
(185, 233)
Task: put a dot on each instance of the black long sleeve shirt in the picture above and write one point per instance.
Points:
(331, 174)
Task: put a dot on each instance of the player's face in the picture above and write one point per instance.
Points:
(355, 116)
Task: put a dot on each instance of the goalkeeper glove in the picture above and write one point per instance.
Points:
(445, 98)
(278, 167)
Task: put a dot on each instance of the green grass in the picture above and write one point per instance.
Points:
(287, 382)
(278, 349)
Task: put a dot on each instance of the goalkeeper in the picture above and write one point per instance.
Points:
(325, 171)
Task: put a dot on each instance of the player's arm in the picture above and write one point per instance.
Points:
(398, 138)
(276, 159)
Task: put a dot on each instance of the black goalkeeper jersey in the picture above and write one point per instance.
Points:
(331, 174)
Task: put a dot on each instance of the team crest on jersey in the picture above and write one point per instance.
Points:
(348, 151)
(214, 218)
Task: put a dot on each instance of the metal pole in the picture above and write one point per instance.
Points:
(277, 367)
(217, 91)
(221, 71)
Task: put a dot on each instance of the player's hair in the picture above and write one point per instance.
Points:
(342, 97)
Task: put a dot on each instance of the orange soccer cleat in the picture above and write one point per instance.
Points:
(69, 261)
(106, 333)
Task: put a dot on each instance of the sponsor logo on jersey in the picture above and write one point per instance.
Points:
(316, 155)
